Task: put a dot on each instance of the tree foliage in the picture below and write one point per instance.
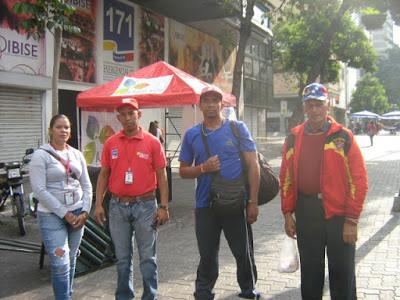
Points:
(389, 74)
(369, 95)
(46, 14)
(314, 37)
(51, 15)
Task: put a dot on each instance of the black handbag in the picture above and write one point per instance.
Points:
(226, 197)
(269, 182)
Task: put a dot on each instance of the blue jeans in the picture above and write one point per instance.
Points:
(128, 221)
(61, 242)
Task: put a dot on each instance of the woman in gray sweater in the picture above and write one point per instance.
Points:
(60, 181)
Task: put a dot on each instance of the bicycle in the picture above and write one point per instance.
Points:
(11, 186)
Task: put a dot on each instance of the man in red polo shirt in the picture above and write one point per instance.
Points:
(324, 183)
(132, 163)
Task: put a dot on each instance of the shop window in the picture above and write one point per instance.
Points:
(248, 66)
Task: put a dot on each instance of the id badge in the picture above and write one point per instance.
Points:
(69, 198)
(128, 177)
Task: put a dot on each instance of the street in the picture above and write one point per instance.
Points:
(377, 255)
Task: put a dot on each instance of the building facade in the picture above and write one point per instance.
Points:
(119, 37)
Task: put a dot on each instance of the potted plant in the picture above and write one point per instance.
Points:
(372, 18)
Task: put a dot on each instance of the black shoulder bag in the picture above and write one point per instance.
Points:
(226, 197)
(269, 182)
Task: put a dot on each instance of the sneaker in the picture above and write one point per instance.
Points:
(250, 295)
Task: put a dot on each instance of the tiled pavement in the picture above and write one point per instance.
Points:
(378, 248)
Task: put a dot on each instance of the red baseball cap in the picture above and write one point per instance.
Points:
(211, 89)
(130, 102)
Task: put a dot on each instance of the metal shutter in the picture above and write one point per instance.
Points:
(20, 122)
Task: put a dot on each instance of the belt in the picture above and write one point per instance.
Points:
(318, 196)
(133, 199)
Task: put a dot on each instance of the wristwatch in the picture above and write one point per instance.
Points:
(161, 206)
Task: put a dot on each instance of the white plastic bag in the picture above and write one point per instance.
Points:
(289, 259)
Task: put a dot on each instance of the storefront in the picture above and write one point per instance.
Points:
(20, 121)
(23, 86)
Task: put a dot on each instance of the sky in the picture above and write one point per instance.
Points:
(396, 34)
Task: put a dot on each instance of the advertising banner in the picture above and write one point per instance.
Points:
(201, 55)
(141, 86)
(118, 39)
(151, 43)
(78, 50)
(96, 128)
(17, 53)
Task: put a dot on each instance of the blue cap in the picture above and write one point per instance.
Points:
(315, 91)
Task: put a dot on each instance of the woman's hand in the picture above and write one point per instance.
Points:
(80, 220)
(76, 221)
(70, 218)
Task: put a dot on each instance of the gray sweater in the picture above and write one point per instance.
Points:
(50, 183)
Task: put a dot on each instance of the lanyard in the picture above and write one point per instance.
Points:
(127, 154)
(66, 164)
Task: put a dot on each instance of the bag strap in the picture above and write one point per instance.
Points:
(52, 154)
(205, 143)
(236, 133)
(72, 174)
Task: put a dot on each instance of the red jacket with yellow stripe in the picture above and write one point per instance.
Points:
(343, 175)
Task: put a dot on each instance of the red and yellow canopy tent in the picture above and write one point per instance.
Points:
(157, 85)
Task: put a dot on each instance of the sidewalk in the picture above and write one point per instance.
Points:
(378, 248)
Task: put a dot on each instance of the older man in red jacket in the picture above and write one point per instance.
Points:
(323, 183)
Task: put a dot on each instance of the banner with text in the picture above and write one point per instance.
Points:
(17, 53)
(118, 39)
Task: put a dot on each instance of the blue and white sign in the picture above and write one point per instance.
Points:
(118, 39)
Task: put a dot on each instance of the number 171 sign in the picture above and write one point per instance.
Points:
(118, 41)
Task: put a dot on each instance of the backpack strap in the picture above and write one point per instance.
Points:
(236, 133)
(235, 130)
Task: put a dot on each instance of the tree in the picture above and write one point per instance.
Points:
(314, 37)
(247, 9)
(53, 15)
(389, 74)
(369, 95)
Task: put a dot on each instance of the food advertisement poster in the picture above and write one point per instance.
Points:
(17, 53)
(78, 50)
(201, 55)
(118, 39)
(151, 43)
(96, 128)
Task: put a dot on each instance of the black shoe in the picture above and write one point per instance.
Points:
(250, 295)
